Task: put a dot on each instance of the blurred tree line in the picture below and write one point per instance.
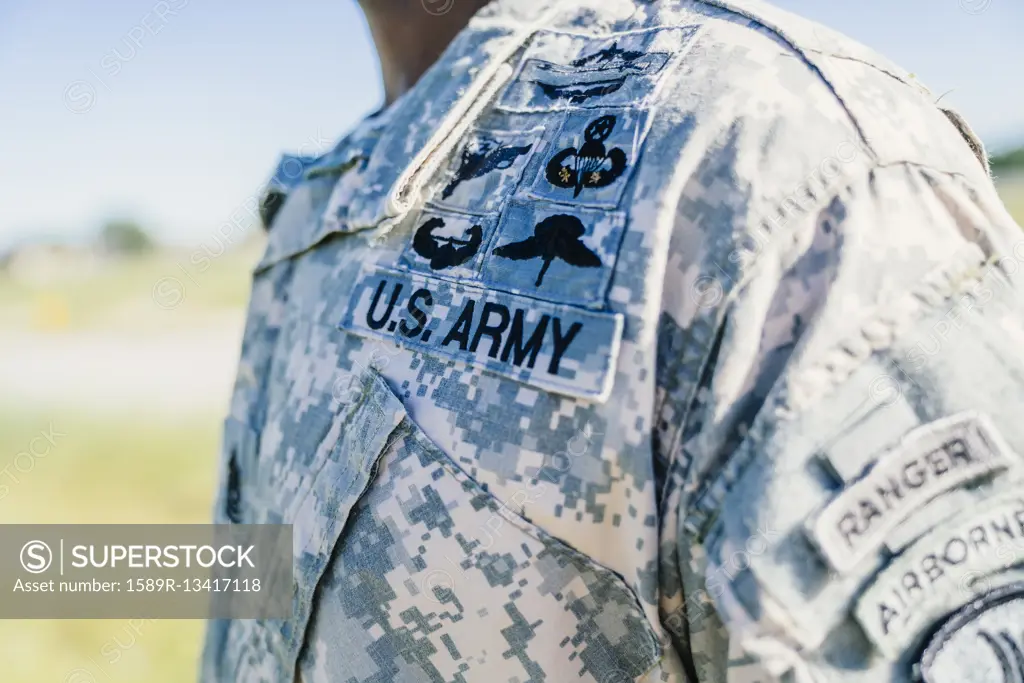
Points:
(1009, 161)
(125, 237)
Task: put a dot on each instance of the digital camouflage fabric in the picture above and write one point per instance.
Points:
(639, 341)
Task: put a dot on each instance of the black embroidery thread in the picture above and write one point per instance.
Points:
(554, 237)
(486, 155)
(579, 93)
(1009, 654)
(601, 73)
(612, 57)
(1005, 649)
(591, 165)
(445, 252)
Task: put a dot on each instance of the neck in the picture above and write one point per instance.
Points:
(410, 35)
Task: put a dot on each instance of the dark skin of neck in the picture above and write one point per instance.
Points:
(410, 35)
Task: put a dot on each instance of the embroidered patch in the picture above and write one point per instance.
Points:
(592, 165)
(934, 575)
(556, 348)
(448, 243)
(562, 70)
(982, 643)
(555, 252)
(592, 77)
(487, 168)
(929, 461)
(592, 158)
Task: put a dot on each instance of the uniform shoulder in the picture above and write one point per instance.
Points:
(775, 59)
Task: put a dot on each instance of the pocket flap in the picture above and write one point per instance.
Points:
(445, 581)
(338, 477)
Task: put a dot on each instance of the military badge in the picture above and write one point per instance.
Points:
(596, 155)
(592, 165)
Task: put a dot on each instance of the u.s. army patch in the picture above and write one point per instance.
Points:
(983, 643)
(554, 347)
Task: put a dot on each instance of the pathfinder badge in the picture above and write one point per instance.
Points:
(554, 237)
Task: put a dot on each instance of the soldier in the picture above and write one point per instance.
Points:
(634, 341)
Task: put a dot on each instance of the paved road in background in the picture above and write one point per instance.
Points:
(182, 372)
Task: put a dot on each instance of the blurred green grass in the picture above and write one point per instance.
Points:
(1011, 189)
(113, 465)
(110, 285)
(132, 468)
(124, 291)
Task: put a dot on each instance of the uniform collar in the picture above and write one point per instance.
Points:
(399, 147)
(425, 123)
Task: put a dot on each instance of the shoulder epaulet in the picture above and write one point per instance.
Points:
(290, 171)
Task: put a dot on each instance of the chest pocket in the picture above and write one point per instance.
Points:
(408, 570)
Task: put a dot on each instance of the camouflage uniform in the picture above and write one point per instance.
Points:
(639, 341)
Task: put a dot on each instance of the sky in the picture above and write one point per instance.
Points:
(173, 112)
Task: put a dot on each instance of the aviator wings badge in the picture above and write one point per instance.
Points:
(480, 157)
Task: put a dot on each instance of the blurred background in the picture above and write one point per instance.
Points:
(134, 141)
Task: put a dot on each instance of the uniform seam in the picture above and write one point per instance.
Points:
(848, 180)
(496, 506)
(292, 254)
(699, 520)
(673, 452)
(803, 54)
(872, 65)
(925, 167)
(626, 32)
(703, 491)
